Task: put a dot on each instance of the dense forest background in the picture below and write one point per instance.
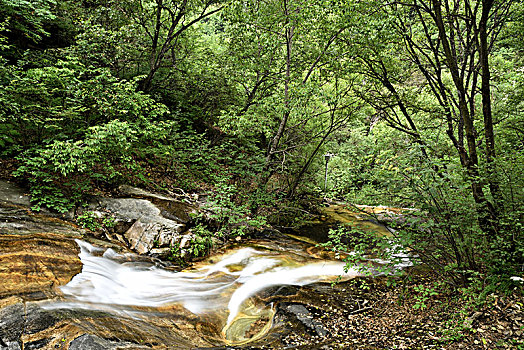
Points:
(420, 103)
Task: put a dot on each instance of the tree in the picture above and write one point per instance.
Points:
(426, 68)
(292, 78)
(162, 24)
(450, 38)
(26, 18)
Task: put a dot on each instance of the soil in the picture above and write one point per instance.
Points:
(375, 314)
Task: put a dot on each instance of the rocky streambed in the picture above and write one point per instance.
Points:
(66, 287)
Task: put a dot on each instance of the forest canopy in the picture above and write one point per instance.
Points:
(419, 102)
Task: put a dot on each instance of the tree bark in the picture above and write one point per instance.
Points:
(486, 212)
(486, 105)
(285, 116)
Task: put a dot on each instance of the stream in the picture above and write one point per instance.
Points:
(221, 292)
(63, 289)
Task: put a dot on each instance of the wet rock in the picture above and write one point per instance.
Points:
(9, 346)
(93, 342)
(19, 220)
(11, 324)
(29, 326)
(38, 319)
(286, 290)
(34, 265)
(23, 321)
(37, 344)
(88, 342)
(332, 217)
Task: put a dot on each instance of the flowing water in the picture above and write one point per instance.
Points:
(243, 294)
(223, 290)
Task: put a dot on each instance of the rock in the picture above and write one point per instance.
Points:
(170, 207)
(34, 265)
(11, 324)
(305, 317)
(185, 242)
(12, 193)
(88, 342)
(130, 191)
(145, 236)
(37, 344)
(128, 209)
(166, 238)
(38, 319)
(22, 322)
(143, 225)
(160, 251)
(147, 228)
(9, 346)
(18, 220)
(93, 342)
(286, 290)
(122, 226)
(139, 223)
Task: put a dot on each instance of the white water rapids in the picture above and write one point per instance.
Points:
(109, 280)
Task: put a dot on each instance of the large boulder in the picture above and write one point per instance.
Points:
(147, 222)
(176, 207)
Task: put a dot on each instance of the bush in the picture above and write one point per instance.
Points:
(61, 173)
(444, 232)
(61, 102)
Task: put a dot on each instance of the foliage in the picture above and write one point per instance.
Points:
(362, 249)
(27, 17)
(91, 221)
(295, 94)
(62, 101)
(241, 101)
(230, 218)
(422, 144)
(201, 243)
(437, 231)
(424, 294)
(63, 171)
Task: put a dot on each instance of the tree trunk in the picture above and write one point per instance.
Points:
(486, 106)
(285, 116)
(485, 210)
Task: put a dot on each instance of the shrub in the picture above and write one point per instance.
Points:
(60, 173)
